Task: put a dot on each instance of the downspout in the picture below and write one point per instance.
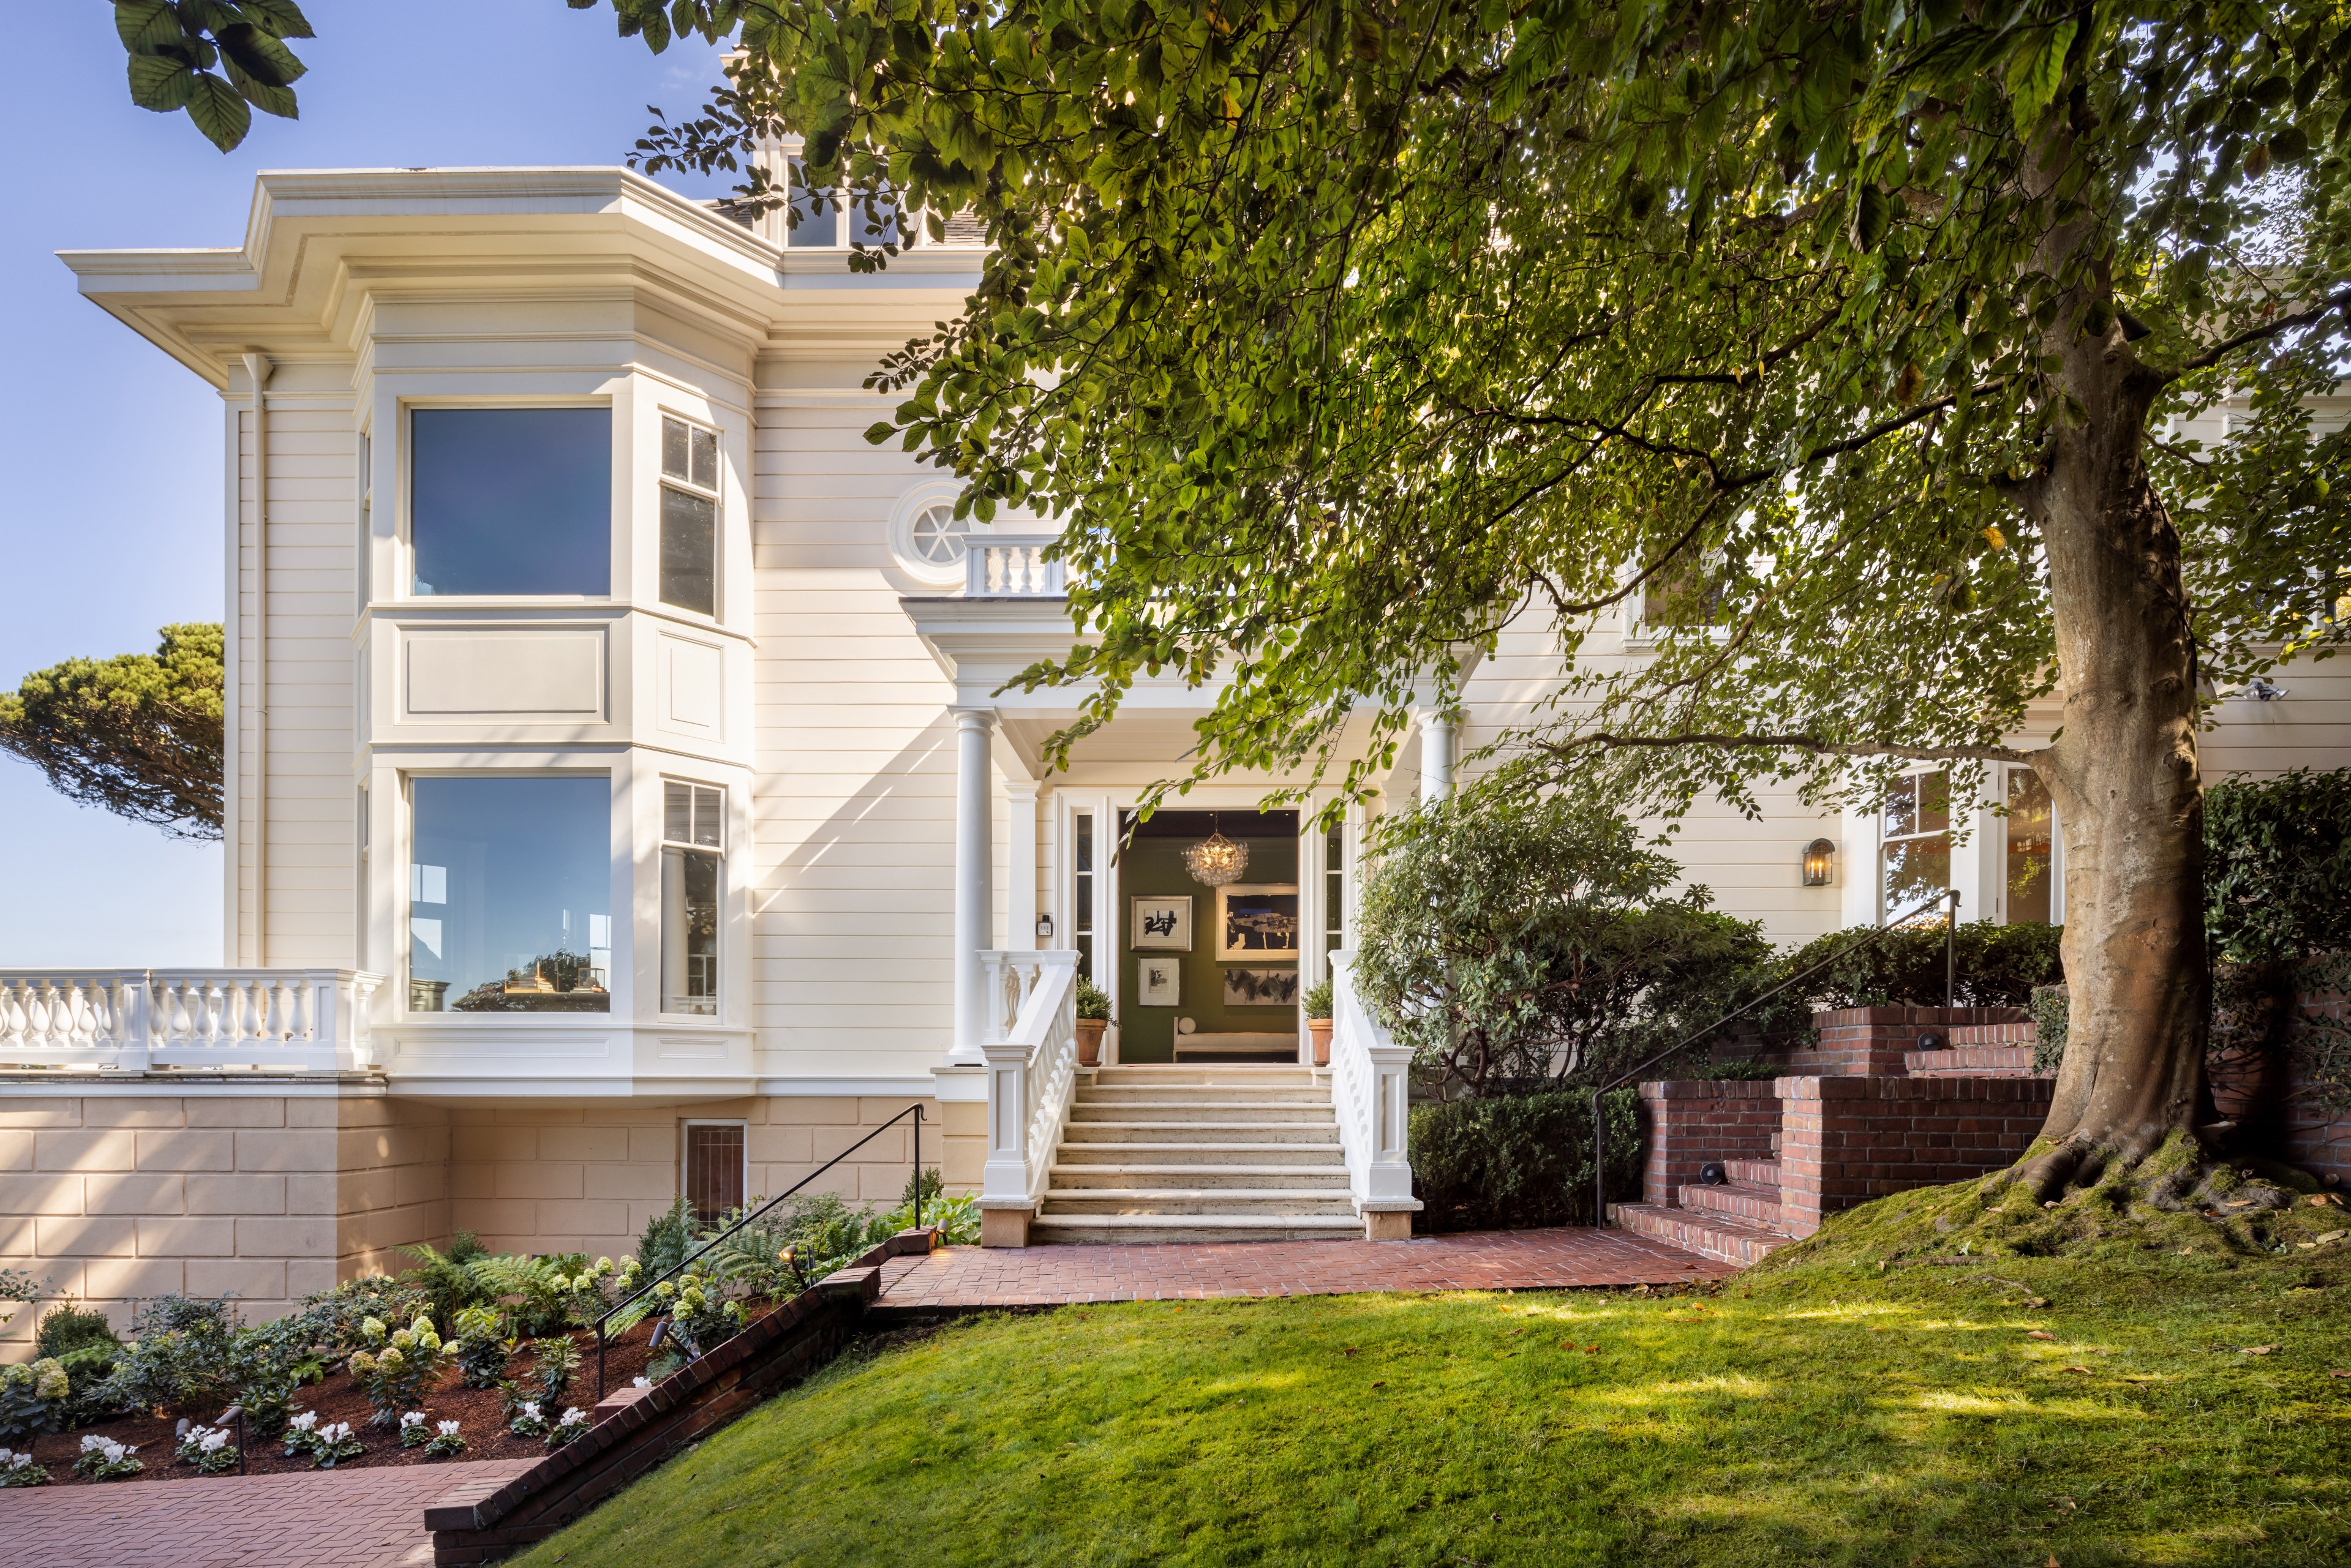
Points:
(257, 368)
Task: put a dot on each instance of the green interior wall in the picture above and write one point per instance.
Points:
(1156, 867)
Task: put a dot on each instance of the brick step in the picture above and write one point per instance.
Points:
(1726, 1240)
(1971, 1061)
(1756, 1206)
(1755, 1173)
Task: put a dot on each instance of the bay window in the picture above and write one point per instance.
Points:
(692, 875)
(511, 501)
(510, 894)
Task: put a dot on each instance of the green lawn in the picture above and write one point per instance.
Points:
(1837, 1413)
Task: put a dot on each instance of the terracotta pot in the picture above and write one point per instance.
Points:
(1319, 1030)
(1089, 1033)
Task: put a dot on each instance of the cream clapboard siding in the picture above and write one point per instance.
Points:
(311, 860)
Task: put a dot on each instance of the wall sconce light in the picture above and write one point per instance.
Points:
(2260, 688)
(1819, 862)
(1045, 926)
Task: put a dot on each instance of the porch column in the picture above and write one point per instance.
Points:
(1020, 860)
(974, 849)
(1435, 757)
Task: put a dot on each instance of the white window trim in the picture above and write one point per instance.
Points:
(917, 500)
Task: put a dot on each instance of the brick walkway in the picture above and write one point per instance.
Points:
(963, 1276)
(340, 1519)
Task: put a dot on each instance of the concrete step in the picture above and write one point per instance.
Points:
(1709, 1236)
(1754, 1173)
(1197, 1110)
(1163, 1228)
(1330, 1176)
(1200, 1094)
(1065, 1202)
(1223, 1132)
(1115, 1153)
(1756, 1206)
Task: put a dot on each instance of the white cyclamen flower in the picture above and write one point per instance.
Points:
(574, 1417)
(12, 1460)
(307, 1422)
(413, 1419)
(641, 1383)
(530, 1408)
(448, 1428)
(337, 1432)
(214, 1442)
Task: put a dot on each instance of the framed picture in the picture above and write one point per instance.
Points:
(1260, 988)
(1257, 920)
(1161, 925)
(1159, 982)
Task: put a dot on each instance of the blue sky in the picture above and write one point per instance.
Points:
(109, 518)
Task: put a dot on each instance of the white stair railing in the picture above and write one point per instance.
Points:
(135, 1019)
(1369, 1085)
(1010, 566)
(1029, 1036)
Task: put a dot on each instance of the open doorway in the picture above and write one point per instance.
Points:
(1208, 973)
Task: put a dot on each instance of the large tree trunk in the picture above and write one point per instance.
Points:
(2123, 773)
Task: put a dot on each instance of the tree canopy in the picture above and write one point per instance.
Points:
(217, 60)
(139, 734)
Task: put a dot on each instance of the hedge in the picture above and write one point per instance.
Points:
(1518, 1160)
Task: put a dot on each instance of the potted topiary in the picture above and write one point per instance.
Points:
(1093, 1017)
(1317, 1005)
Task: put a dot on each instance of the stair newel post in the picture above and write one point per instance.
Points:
(1599, 1165)
(1952, 954)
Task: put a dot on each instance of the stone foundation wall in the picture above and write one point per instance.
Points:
(215, 1191)
(1843, 1141)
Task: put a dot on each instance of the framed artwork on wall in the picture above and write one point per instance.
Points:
(1257, 920)
(1260, 988)
(1159, 983)
(1162, 925)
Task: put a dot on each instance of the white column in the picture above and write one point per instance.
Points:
(1021, 896)
(974, 898)
(1435, 757)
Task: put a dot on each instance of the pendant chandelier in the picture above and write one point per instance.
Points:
(1217, 860)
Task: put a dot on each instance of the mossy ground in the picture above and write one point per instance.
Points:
(2158, 1409)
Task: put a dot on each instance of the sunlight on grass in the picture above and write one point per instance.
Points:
(1488, 1430)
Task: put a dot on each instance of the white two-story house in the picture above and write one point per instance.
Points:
(623, 803)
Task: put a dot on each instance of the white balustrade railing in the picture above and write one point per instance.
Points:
(1010, 566)
(134, 1019)
(1370, 1084)
(1030, 1036)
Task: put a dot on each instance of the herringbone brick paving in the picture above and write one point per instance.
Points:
(337, 1518)
(1565, 1258)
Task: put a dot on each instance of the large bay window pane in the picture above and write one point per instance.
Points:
(1915, 844)
(511, 501)
(692, 862)
(511, 895)
(2032, 844)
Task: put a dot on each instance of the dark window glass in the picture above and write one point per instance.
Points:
(511, 500)
(713, 1171)
(1081, 918)
(1334, 890)
(511, 895)
(689, 550)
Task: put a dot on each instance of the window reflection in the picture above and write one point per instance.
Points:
(1914, 845)
(693, 826)
(2031, 818)
(511, 500)
(511, 895)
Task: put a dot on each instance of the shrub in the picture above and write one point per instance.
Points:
(1091, 1001)
(1517, 1160)
(1318, 1001)
(1514, 944)
(558, 1359)
(2277, 867)
(403, 1364)
(182, 1356)
(668, 1238)
(334, 1321)
(2049, 1023)
(483, 1350)
(33, 1399)
(448, 1285)
(1998, 966)
(81, 1339)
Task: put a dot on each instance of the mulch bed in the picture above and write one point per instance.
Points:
(337, 1399)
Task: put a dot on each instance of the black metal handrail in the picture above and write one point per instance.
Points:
(1950, 993)
(679, 1267)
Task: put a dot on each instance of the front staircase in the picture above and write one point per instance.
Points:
(1199, 1153)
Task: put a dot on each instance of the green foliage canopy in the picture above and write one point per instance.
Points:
(139, 734)
(1448, 309)
(218, 59)
(2277, 867)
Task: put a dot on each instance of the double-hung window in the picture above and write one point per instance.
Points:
(692, 874)
(689, 518)
(1081, 892)
(2031, 858)
(1914, 842)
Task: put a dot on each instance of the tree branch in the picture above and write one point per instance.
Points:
(2227, 345)
(1607, 742)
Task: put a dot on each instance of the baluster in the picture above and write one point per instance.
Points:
(254, 1014)
(81, 1018)
(12, 1015)
(171, 1012)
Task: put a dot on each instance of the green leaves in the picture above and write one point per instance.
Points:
(2037, 72)
(175, 45)
(1872, 212)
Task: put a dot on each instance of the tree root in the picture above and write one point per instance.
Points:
(2071, 1198)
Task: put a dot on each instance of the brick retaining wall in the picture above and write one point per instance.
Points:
(1689, 1123)
(1843, 1141)
(1853, 1041)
